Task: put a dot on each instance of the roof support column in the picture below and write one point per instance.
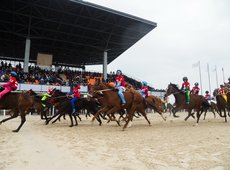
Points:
(27, 55)
(105, 65)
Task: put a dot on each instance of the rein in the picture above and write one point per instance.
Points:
(103, 90)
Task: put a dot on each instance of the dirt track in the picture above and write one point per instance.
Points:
(174, 144)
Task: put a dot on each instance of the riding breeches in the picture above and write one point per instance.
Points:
(74, 99)
(5, 91)
(187, 94)
(121, 89)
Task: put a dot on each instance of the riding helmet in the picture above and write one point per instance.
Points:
(119, 71)
(207, 92)
(13, 73)
(185, 78)
(144, 83)
(196, 84)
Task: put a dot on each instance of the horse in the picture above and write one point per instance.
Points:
(221, 104)
(213, 109)
(62, 103)
(197, 102)
(38, 104)
(113, 102)
(20, 103)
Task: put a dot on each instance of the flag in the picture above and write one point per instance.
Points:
(196, 64)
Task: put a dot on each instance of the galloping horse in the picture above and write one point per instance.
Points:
(197, 102)
(20, 103)
(221, 104)
(113, 102)
(38, 104)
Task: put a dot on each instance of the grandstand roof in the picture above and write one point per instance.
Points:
(75, 32)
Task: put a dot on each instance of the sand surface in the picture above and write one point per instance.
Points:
(171, 145)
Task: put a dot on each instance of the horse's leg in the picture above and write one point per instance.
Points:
(205, 114)
(15, 114)
(174, 110)
(198, 114)
(104, 109)
(160, 113)
(110, 113)
(75, 118)
(189, 114)
(129, 116)
(23, 119)
(71, 120)
(145, 116)
(58, 118)
(55, 115)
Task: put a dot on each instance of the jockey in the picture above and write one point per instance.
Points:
(144, 90)
(221, 92)
(120, 85)
(45, 96)
(186, 88)
(227, 84)
(75, 95)
(207, 96)
(11, 85)
(195, 89)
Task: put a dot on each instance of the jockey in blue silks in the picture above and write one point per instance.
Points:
(120, 85)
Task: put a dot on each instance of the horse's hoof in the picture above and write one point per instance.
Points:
(70, 125)
(15, 131)
(0, 122)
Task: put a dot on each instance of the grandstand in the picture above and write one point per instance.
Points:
(74, 33)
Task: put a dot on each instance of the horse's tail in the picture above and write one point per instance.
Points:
(205, 104)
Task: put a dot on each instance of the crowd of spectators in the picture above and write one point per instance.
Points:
(63, 76)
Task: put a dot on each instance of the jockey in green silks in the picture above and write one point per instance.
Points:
(45, 96)
(186, 87)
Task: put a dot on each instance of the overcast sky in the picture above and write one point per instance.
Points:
(187, 32)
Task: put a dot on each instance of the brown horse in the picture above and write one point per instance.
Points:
(197, 102)
(20, 103)
(113, 102)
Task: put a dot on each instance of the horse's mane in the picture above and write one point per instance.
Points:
(175, 86)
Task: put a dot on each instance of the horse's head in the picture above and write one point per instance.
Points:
(56, 96)
(95, 90)
(215, 92)
(172, 89)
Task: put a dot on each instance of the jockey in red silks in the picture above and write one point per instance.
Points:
(186, 87)
(11, 85)
(207, 96)
(195, 89)
(144, 90)
(120, 85)
(75, 94)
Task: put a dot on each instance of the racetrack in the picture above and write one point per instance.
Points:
(174, 144)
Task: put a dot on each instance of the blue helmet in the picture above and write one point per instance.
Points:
(119, 71)
(144, 83)
(13, 73)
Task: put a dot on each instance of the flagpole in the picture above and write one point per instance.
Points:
(216, 77)
(209, 82)
(200, 80)
(223, 74)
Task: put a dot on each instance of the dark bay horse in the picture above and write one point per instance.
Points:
(20, 103)
(113, 102)
(38, 104)
(222, 104)
(197, 102)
